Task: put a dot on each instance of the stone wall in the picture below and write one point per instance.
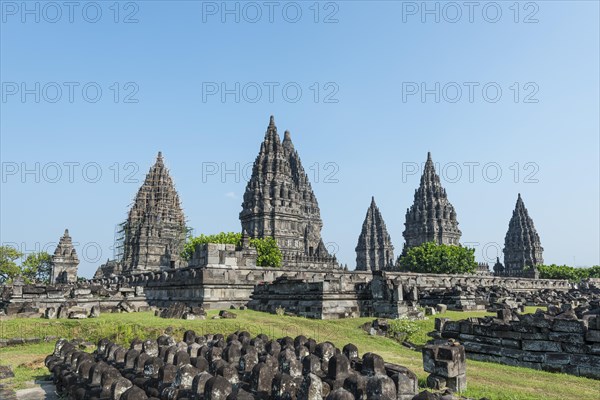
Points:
(563, 340)
(222, 276)
(77, 300)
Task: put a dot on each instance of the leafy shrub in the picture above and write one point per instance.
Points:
(402, 325)
(280, 311)
(436, 258)
(219, 238)
(269, 254)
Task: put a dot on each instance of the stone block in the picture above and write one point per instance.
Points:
(436, 382)
(199, 383)
(566, 337)
(541, 345)
(566, 325)
(372, 364)
(311, 388)
(262, 378)
(284, 387)
(458, 383)
(217, 388)
(349, 350)
(380, 387)
(593, 335)
(558, 358)
(357, 385)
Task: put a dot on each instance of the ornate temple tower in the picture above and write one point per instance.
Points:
(64, 261)
(431, 218)
(522, 245)
(374, 251)
(279, 200)
(155, 228)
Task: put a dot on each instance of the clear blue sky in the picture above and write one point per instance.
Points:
(369, 125)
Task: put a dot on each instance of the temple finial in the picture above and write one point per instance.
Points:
(428, 156)
(66, 232)
(272, 122)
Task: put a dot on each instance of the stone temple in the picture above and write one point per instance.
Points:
(374, 251)
(64, 261)
(431, 218)
(279, 202)
(155, 230)
(522, 247)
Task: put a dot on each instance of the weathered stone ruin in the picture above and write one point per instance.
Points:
(522, 247)
(64, 261)
(447, 365)
(238, 366)
(374, 251)
(154, 233)
(564, 339)
(342, 296)
(75, 301)
(279, 202)
(431, 218)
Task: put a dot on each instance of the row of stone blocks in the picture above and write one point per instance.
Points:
(557, 343)
(212, 367)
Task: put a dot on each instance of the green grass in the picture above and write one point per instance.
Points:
(490, 380)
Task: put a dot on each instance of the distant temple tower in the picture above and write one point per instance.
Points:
(522, 245)
(374, 251)
(279, 201)
(431, 218)
(155, 230)
(64, 261)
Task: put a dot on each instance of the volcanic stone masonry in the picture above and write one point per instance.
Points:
(431, 218)
(155, 228)
(374, 251)
(522, 247)
(564, 339)
(279, 202)
(64, 261)
(238, 366)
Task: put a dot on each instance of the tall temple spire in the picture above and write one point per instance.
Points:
(64, 261)
(522, 247)
(154, 232)
(374, 251)
(279, 200)
(432, 216)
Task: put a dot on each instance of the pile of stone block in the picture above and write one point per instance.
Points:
(179, 310)
(565, 339)
(446, 363)
(238, 366)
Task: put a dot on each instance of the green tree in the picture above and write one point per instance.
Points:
(37, 267)
(8, 267)
(439, 259)
(573, 274)
(269, 254)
